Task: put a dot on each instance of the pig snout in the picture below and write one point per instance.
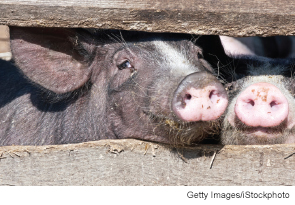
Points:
(262, 104)
(199, 97)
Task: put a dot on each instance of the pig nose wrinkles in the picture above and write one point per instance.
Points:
(262, 104)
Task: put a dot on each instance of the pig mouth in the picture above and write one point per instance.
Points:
(259, 131)
(177, 131)
(245, 135)
(255, 136)
(264, 132)
(237, 133)
(174, 122)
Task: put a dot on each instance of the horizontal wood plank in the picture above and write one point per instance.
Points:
(227, 17)
(134, 162)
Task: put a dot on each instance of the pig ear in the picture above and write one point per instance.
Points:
(213, 50)
(51, 57)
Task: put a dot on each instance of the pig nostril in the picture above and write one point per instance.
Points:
(211, 93)
(187, 97)
(251, 102)
(273, 103)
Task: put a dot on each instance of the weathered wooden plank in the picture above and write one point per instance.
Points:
(227, 17)
(134, 162)
(4, 43)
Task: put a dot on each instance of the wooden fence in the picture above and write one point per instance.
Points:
(133, 162)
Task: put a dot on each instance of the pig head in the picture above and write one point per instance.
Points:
(261, 99)
(76, 85)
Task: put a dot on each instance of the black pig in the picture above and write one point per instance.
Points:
(75, 85)
(261, 99)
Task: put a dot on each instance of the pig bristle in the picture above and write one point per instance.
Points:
(106, 102)
(186, 133)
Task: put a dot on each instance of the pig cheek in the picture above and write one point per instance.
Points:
(290, 139)
(230, 117)
(291, 119)
(160, 100)
(120, 78)
(124, 110)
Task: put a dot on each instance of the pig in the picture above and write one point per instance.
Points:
(271, 47)
(261, 106)
(77, 85)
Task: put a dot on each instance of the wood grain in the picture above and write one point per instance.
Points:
(227, 17)
(134, 162)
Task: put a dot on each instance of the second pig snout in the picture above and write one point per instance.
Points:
(262, 104)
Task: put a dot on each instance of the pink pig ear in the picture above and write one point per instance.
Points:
(51, 57)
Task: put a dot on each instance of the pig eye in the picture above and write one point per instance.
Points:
(125, 64)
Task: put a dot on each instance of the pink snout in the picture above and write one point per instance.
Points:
(262, 104)
(200, 102)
